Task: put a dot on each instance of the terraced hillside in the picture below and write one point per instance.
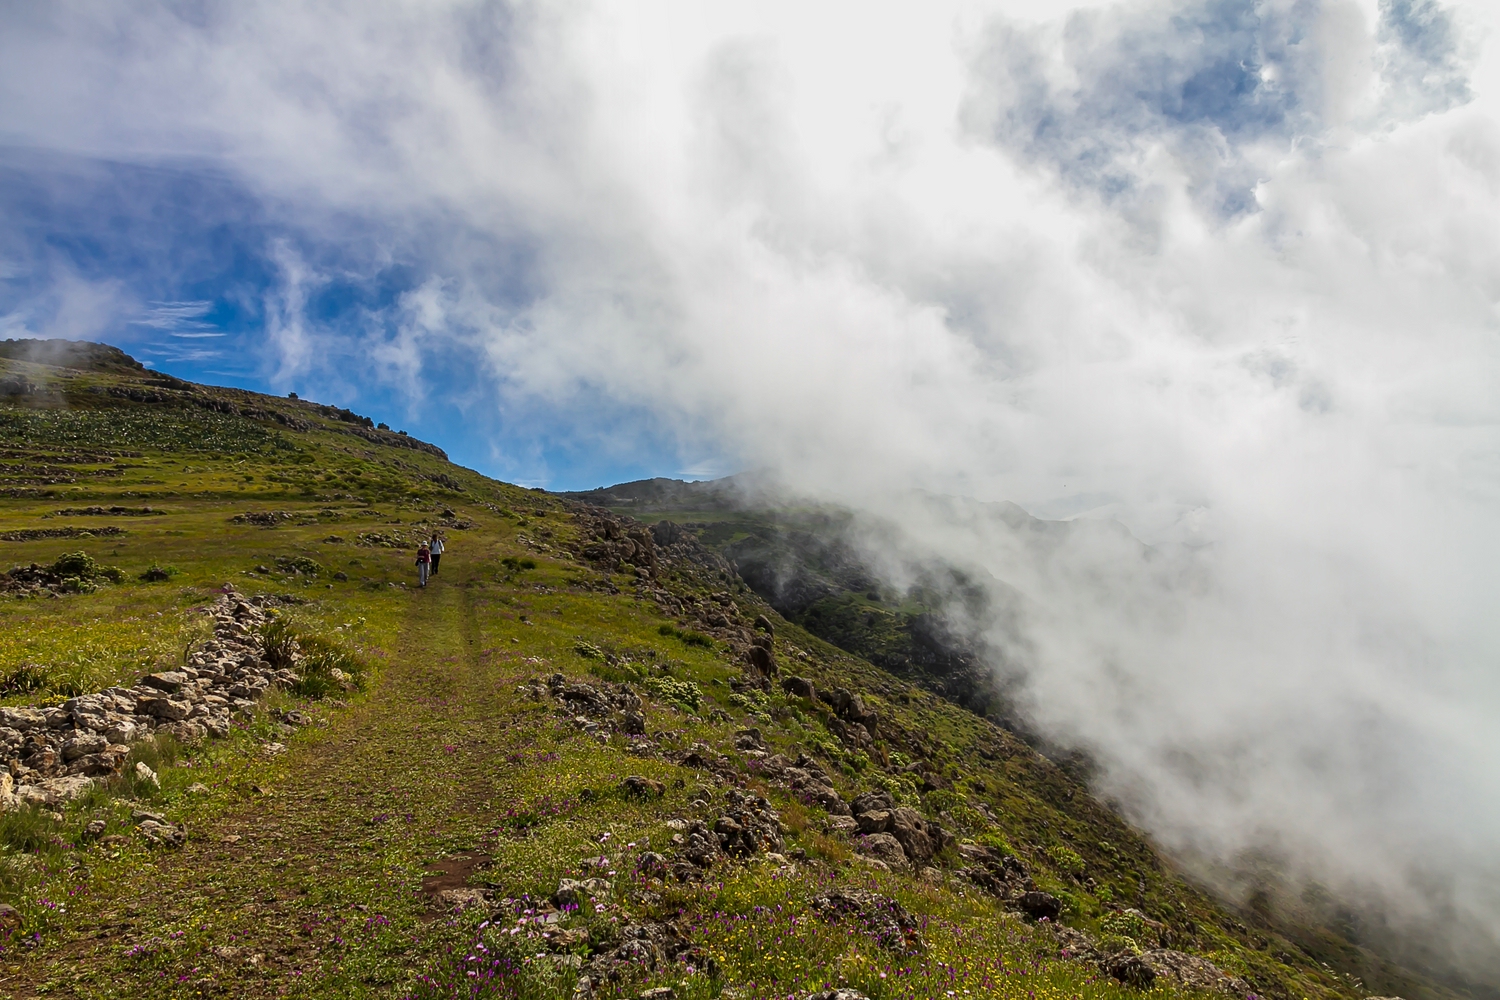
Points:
(249, 757)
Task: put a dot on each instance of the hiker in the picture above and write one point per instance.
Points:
(424, 562)
(437, 547)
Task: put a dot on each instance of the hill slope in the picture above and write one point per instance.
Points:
(586, 760)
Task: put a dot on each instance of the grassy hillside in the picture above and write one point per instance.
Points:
(586, 760)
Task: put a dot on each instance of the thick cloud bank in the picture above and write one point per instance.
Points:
(1226, 271)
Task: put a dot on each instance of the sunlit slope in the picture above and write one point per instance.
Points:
(573, 697)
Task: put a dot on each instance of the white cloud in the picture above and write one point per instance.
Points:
(1241, 284)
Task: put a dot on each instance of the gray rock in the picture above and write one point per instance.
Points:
(166, 709)
(883, 847)
(886, 921)
(1177, 968)
(169, 680)
(22, 719)
(82, 745)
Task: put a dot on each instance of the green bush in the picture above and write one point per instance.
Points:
(941, 799)
(157, 574)
(684, 694)
(327, 668)
(24, 678)
(1066, 860)
(1114, 944)
(687, 637)
(298, 564)
(1124, 924)
(279, 642)
(77, 564)
(995, 842)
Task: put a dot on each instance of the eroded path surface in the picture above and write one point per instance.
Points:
(313, 881)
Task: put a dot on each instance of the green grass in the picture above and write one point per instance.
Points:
(304, 869)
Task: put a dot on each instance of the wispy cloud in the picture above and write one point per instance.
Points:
(1228, 267)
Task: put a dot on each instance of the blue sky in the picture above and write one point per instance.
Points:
(182, 266)
(1225, 270)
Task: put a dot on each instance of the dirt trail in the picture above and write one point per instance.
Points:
(258, 902)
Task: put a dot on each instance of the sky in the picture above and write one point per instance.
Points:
(1226, 272)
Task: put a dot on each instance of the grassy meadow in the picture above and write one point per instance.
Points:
(316, 854)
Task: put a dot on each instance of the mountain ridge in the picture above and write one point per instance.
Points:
(577, 764)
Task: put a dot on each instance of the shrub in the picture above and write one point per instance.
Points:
(24, 678)
(995, 842)
(326, 668)
(687, 637)
(1066, 860)
(280, 643)
(1123, 924)
(298, 564)
(684, 694)
(157, 574)
(588, 650)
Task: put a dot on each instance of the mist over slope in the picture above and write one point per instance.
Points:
(1228, 268)
(1262, 797)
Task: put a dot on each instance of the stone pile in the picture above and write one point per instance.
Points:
(55, 754)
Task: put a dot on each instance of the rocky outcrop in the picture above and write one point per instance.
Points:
(1162, 966)
(886, 921)
(876, 814)
(1000, 873)
(596, 708)
(748, 827)
(618, 545)
(55, 754)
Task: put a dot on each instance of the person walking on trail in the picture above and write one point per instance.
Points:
(424, 563)
(436, 548)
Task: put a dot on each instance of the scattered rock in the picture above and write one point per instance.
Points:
(837, 995)
(799, 687)
(144, 773)
(884, 848)
(885, 920)
(638, 787)
(572, 892)
(461, 899)
(1177, 968)
(1040, 905)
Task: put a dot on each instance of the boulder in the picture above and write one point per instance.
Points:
(1176, 968)
(1040, 905)
(868, 801)
(921, 838)
(170, 681)
(638, 787)
(883, 847)
(881, 917)
(799, 687)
